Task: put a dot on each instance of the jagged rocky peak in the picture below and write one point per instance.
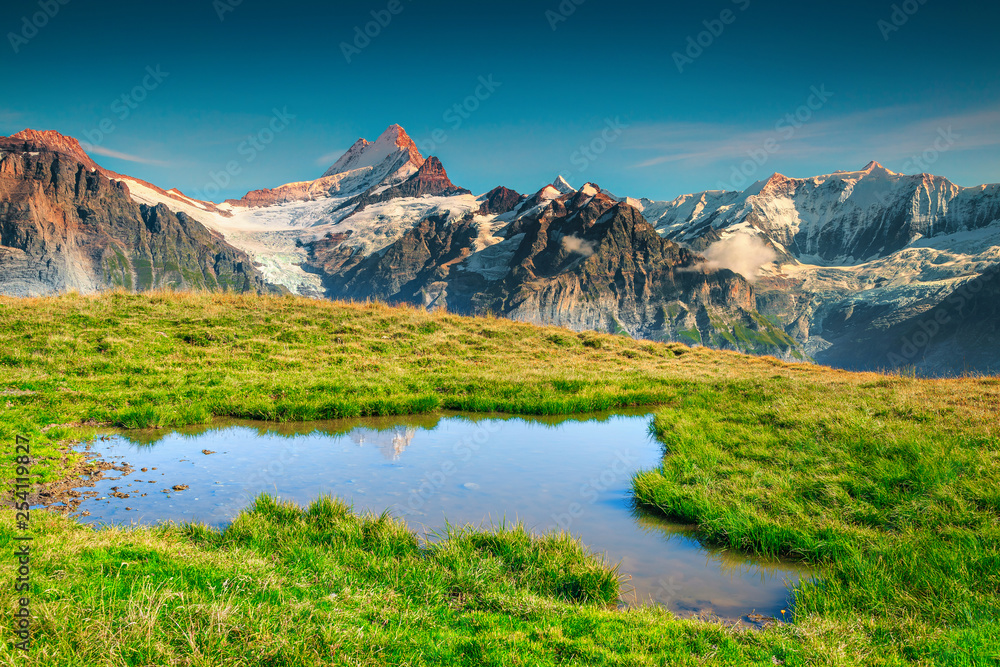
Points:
(500, 200)
(586, 195)
(434, 179)
(777, 184)
(66, 226)
(392, 143)
(432, 168)
(368, 165)
(55, 142)
(430, 179)
(563, 186)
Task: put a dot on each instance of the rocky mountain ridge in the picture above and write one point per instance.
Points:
(64, 225)
(580, 260)
(826, 262)
(845, 218)
(856, 252)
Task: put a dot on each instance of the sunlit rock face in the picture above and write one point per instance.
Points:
(578, 259)
(64, 225)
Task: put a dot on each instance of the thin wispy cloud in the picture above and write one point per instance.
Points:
(330, 158)
(7, 116)
(887, 135)
(107, 152)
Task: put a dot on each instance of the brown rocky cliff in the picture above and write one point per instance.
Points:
(51, 140)
(500, 200)
(423, 256)
(603, 266)
(27, 141)
(64, 226)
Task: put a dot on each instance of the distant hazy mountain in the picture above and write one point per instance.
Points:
(857, 253)
(845, 218)
(960, 334)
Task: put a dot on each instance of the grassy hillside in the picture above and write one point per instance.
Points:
(889, 485)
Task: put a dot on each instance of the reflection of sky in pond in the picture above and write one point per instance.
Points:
(554, 473)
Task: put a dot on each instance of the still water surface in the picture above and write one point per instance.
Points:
(574, 474)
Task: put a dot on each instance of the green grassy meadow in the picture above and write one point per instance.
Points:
(889, 486)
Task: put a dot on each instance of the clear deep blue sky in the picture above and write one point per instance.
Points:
(891, 94)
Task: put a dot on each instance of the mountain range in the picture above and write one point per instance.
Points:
(853, 269)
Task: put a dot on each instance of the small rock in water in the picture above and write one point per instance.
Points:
(206, 452)
(180, 487)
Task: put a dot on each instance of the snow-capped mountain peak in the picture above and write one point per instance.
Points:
(368, 165)
(874, 167)
(563, 186)
(843, 218)
(391, 144)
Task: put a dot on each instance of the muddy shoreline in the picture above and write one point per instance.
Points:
(66, 494)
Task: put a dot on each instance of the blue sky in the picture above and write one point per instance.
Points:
(597, 94)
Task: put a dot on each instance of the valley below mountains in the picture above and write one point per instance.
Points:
(866, 269)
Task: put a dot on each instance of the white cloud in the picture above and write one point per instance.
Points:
(742, 253)
(578, 246)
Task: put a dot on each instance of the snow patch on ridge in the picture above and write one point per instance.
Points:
(493, 263)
